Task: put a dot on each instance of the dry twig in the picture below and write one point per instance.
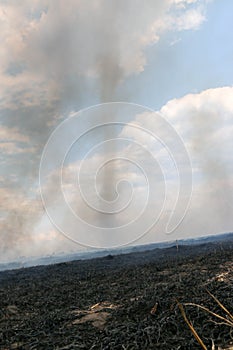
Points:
(191, 326)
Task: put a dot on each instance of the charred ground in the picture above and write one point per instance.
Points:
(119, 302)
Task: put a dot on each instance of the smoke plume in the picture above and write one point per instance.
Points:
(58, 57)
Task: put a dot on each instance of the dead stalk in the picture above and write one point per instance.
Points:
(191, 326)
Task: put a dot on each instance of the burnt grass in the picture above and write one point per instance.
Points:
(46, 307)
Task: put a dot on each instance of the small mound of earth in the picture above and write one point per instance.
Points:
(124, 302)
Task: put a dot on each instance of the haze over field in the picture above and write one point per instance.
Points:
(58, 57)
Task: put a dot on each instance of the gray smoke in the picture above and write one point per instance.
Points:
(59, 57)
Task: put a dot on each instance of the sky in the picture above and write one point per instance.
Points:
(116, 120)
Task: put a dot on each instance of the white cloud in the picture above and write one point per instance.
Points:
(192, 19)
(205, 121)
(203, 117)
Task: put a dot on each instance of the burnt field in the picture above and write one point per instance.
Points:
(121, 302)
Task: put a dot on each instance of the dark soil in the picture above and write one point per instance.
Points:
(53, 307)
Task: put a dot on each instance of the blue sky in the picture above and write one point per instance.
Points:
(173, 56)
(200, 59)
